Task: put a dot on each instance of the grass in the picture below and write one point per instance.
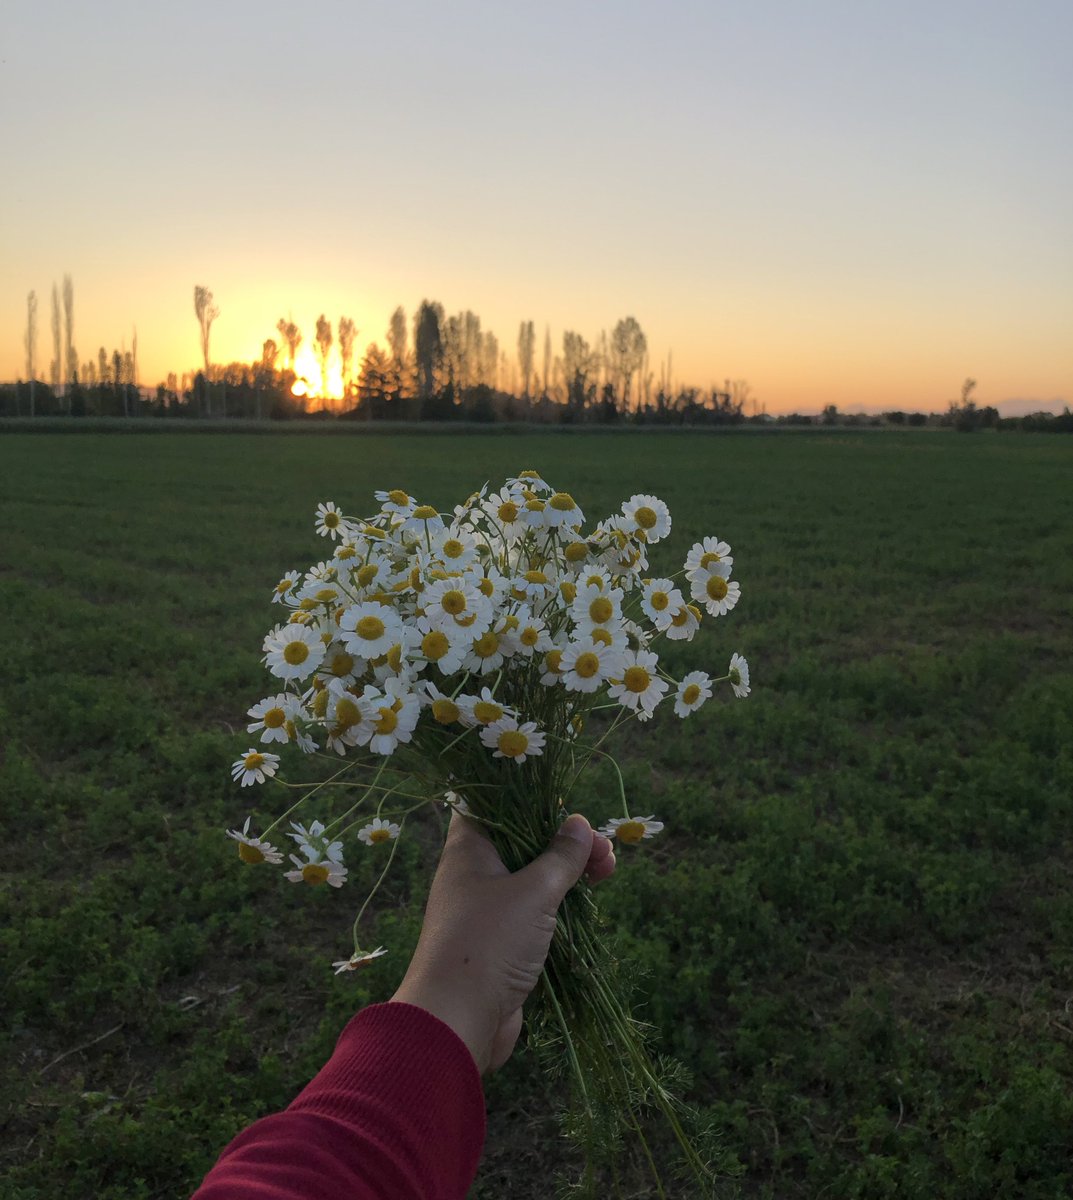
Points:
(857, 932)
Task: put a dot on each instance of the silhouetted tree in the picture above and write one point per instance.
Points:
(70, 357)
(628, 346)
(428, 347)
(55, 368)
(578, 363)
(31, 344)
(324, 346)
(292, 335)
(347, 333)
(206, 312)
(526, 342)
(375, 383)
(547, 358)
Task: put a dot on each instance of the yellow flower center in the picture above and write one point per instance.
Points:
(341, 664)
(249, 854)
(486, 712)
(636, 679)
(645, 517)
(554, 661)
(326, 595)
(453, 602)
(397, 496)
(535, 577)
(587, 665)
(693, 611)
(345, 552)
(659, 601)
(379, 835)
(295, 653)
(735, 676)
(425, 512)
(299, 617)
(274, 718)
(691, 694)
(453, 548)
(331, 520)
(486, 587)
(308, 604)
(445, 711)
(528, 473)
(576, 552)
(435, 645)
(486, 645)
(466, 620)
(388, 722)
(315, 873)
(370, 628)
(709, 558)
(716, 587)
(367, 574)
(284, 586)
(680, 618)
(513, 742)
(563, 502)
(347, 712)
(529, 636)
(568, 591)
(320, 703)
(603, 636)
(535, 505)
(394, 657)
(508, 512)
(630, 832)
(601, 610)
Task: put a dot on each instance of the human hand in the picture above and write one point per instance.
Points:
(486, 931)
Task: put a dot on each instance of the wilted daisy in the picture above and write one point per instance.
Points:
(631, 830)
(254, 767)
(316, 871)
(692, 692)
(360, 958)
(739, 676)
(378, 831)
(510, 740)
(650, 515)
(294, 652)
(717, 593)
(636, 684)
(252, 849)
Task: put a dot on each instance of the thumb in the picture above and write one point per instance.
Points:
(560, 866)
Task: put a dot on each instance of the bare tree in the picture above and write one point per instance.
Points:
(206, 313)
(547, 357)
(31, 344)
(102, 365)
(71, 358)
(292, 335)
(55, 368)
(324, 348)
(347, 333)
(526, 341)
(134, 357)
(628, 346)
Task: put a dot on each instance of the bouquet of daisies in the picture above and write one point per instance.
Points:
(457, 659)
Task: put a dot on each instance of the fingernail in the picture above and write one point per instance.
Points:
(576, 827)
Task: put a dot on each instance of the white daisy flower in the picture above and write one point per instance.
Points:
(378, 830)
(705, 554)
(467, 506)
(484, 709)
(370, 629)
(283, 592)
(329, 520)
(637, 685)
(595, 577)
(553, 666)
(359, 959)
(372, 573)
(692, 692)
(315, 843)
(563, 510)
(739, 675)
(717, 593)
(397, 502)
(505, 510)
(575, 552)
(616, 637)
(534, 513)
(682, 624)
(393, 717)
(586, 664)
(294, 652)
(531, 637)
(594, 607)
(455, 548)
(446, 647)
(252, 849)
(631, 830)
(347, 554)
(486, 653)
(270, 717)
(424, 518)
(530, 480)
(254, 766)
(316, 872)
(457, 601)
(659, 599)
(489, 581)
(649, 514)
(339, 664)
(533, 585)
(446, 710)
(510, 740)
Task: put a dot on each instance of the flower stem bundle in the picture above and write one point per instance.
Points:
(483, 660)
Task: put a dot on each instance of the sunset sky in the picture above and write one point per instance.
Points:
(852, 202)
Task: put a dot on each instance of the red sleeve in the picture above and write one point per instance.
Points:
(396, 1113)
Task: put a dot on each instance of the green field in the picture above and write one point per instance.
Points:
(857, 931)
